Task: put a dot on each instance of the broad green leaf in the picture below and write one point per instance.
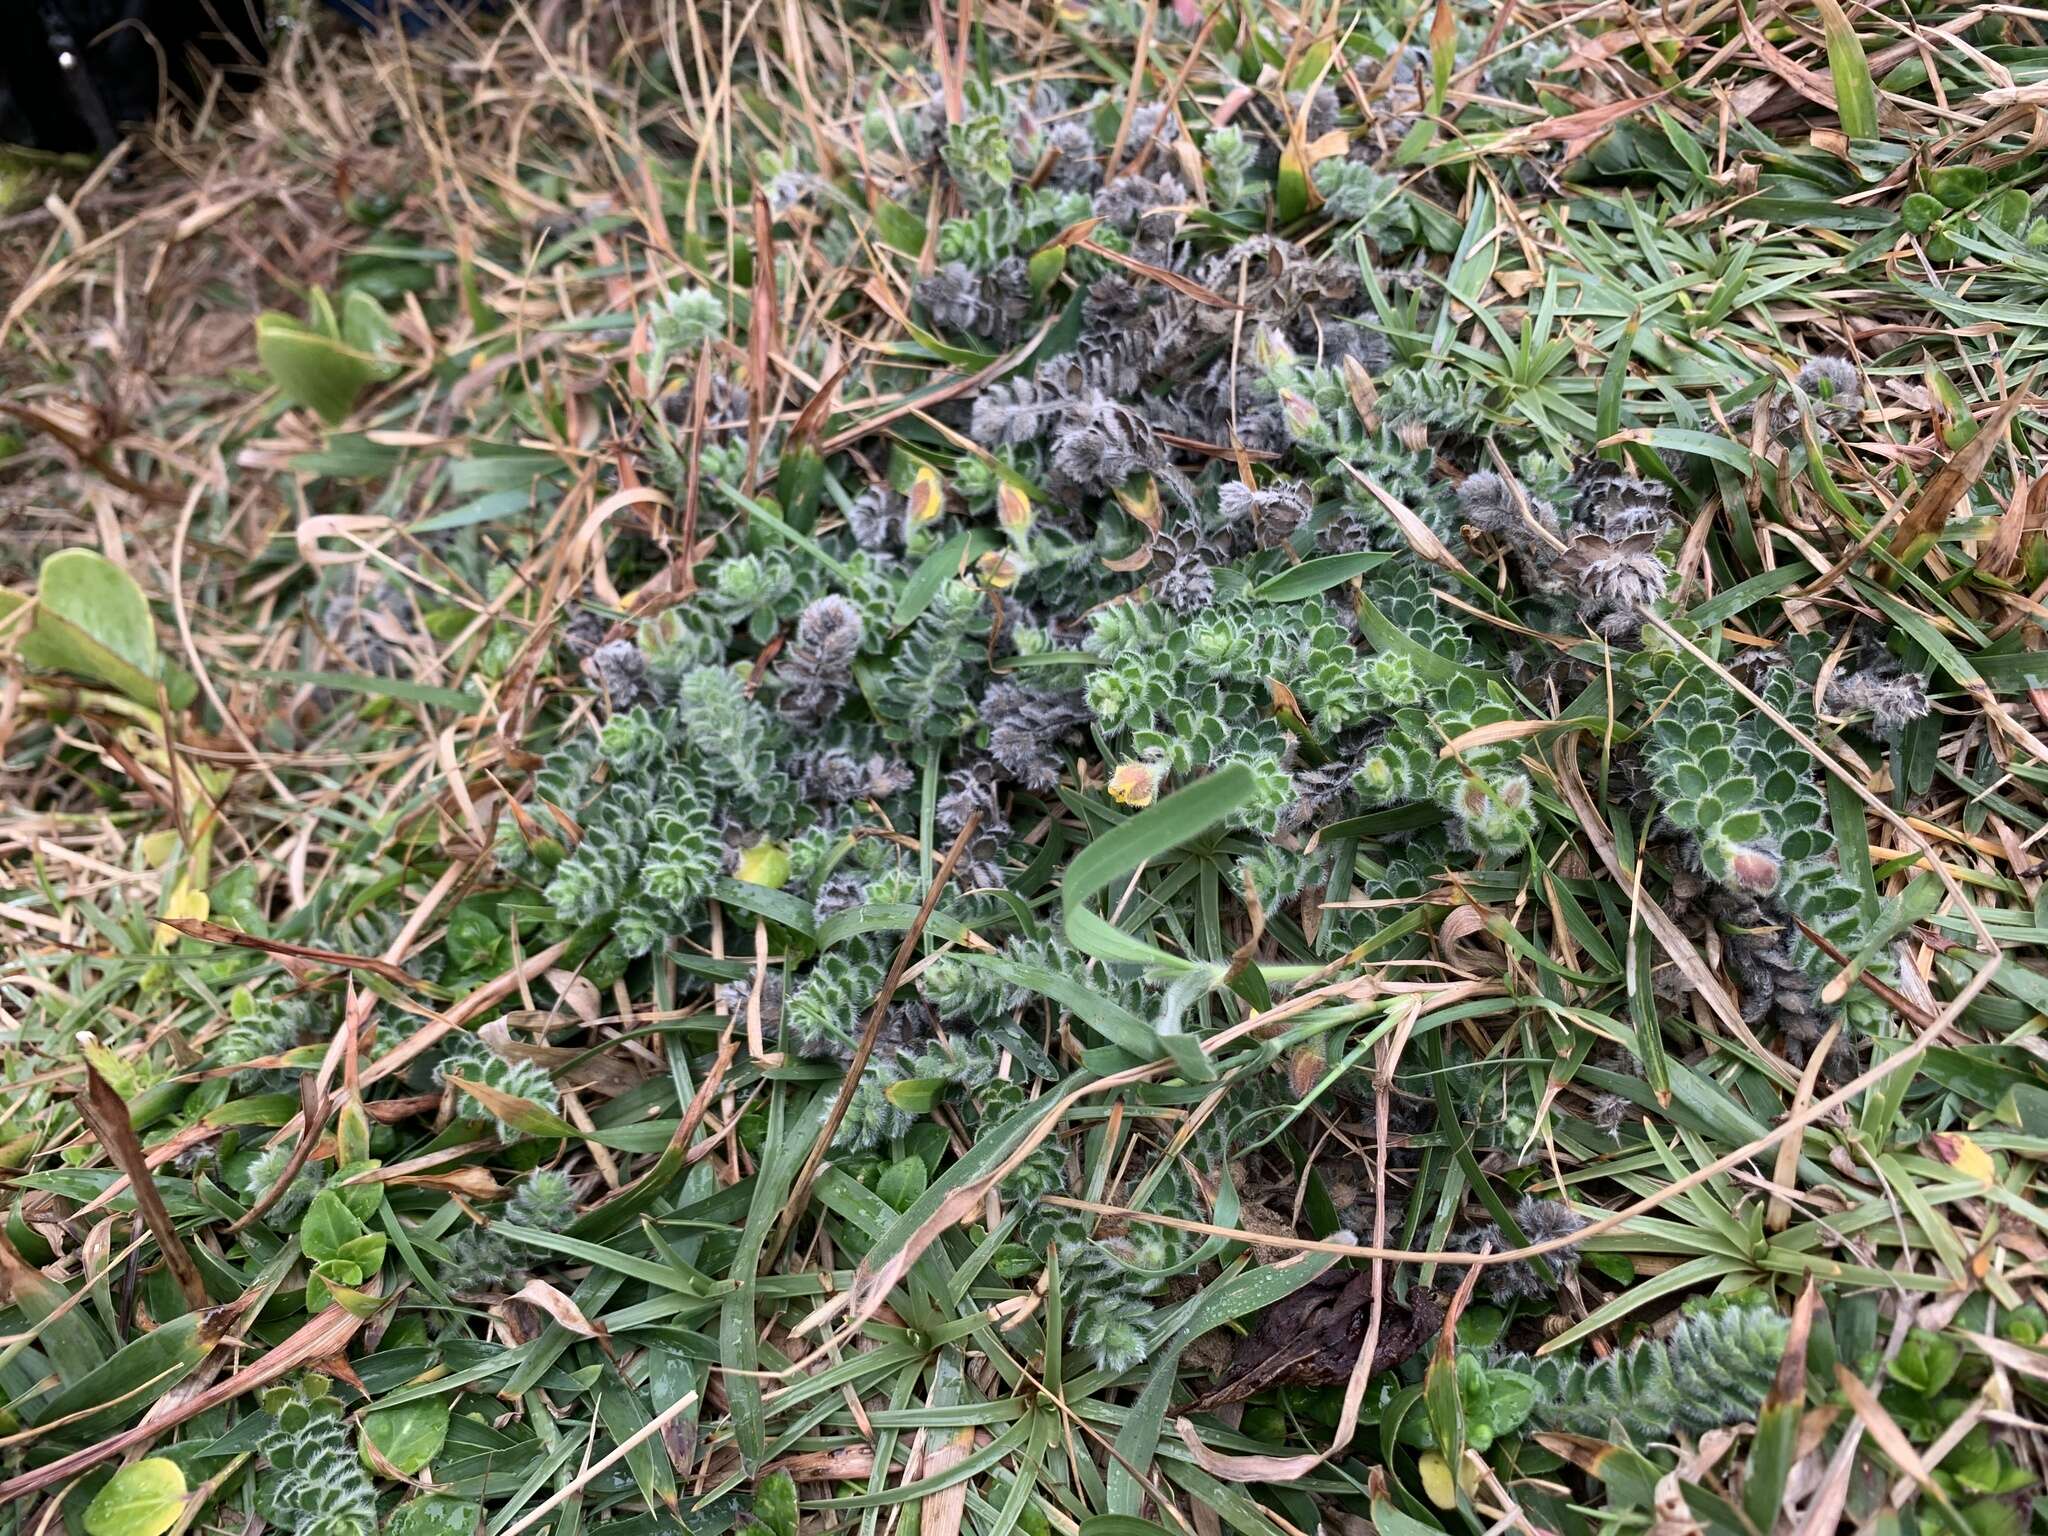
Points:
(1919, 211)
(1958, 186)
(92, 621)
(916, 1095)
(1386, 636)
(366, 328)
(327, 1228)
(1631, 1478)
(1045, 267)
(1290, 188)
(938, 567)
(522, 1115)
(799, 482)
(65, 1332)
(410, 1435)
(140, 1372)
(317, 372)
(1111, 1020)
(144, 1498)
(1686, 440)
(902, 1182)
(899, 227)
(325, 365)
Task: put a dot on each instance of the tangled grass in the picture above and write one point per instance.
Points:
(782, 766)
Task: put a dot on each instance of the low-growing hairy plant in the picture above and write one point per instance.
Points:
(481, 1259)
(264, 1027)
(472, 1061)
(1712, 1369)
(971, 725)
(317, 1485)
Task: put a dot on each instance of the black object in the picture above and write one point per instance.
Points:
(75, 74)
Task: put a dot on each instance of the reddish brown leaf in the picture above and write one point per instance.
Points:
(1312, 1339)
(107, 1114)
(1579, 131)
(760, 329)
(217, 933)
(815, 410)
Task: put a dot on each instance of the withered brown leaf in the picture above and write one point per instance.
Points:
(1312, 1338)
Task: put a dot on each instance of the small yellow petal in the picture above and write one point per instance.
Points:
(927, 495)
(1013, 508)
(1436, 1480)
(1134, 784)
(1965, 1156)
(185, 901)
(998, 571)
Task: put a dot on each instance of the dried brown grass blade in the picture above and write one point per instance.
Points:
(217, 933)
(1953, 480)
(760, 329)
(1669, 935)
(107, 1113)
(1420, 539)
(1179, 284)
(316, 1339)
(1579, 131)
(800, 1191)
(1884, 1429)
(940, 1514)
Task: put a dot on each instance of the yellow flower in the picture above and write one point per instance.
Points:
(999, 572)
(927, 495)
(1135, 783)
(765, 864)
(1013, 508)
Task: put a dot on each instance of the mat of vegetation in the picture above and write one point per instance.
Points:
(1114, 769)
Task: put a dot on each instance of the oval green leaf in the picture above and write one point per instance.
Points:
(143, 1499)
(409, 1435)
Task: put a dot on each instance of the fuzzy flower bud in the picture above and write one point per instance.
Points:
(1136, 783)
(1013, 508)
(999, 570)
